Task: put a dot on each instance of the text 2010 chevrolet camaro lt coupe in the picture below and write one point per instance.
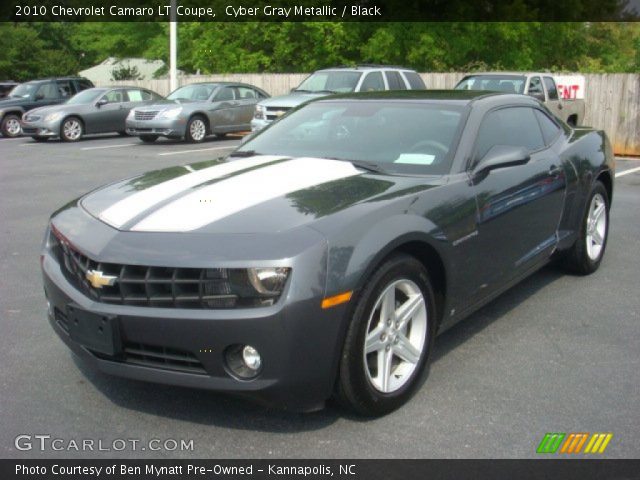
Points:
(324, 255)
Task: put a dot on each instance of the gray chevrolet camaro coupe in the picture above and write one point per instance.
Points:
(324, 255)
(194, 111)
(95, 110)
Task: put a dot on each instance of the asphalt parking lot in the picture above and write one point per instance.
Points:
(556, 353)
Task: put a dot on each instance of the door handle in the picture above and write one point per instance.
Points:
(554, 171)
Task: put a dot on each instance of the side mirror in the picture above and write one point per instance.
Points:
(39, 96)
(101, 102)
(500, 156)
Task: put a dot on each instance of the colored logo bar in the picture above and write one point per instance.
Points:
(574, 442)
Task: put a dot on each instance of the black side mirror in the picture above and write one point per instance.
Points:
(101, 102)
(500, 156)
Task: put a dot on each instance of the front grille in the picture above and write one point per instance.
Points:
(145, 115)
(274, 113)
(151, 286)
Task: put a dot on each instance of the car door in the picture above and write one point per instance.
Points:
(224, 113)
(519, 207)
(109, 113)
(553, 102)
(247, 98)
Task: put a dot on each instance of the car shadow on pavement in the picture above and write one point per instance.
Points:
(211, 408)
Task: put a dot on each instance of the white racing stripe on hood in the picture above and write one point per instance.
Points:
(130, 207)
(246, 190)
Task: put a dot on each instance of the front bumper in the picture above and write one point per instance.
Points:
(162, 127)
(299, 342)
(258, 124)
(41, 129)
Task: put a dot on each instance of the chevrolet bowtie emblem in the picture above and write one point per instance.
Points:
(98, 280)
(279, 113)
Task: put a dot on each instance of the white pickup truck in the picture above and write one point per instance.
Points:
(562, 94)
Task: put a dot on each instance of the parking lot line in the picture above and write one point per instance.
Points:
(196, 150)
(110, 146)
(627, 172)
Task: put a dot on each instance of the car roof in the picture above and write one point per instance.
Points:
(38, 80)
(500, 74)
(366, 66)
(458, 96)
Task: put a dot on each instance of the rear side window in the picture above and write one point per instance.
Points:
(415, 81)
(550, 129)
(83, 85)
(48, 91)
(395, 81)
(245, 93)
(372, 82)
(513, 126)
(65, 88)
(552, 90)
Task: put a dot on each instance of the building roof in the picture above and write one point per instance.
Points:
(103, 72)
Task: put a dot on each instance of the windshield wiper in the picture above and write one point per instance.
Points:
(325, 91)
(302, 90)
(369, 166)
(244, 153)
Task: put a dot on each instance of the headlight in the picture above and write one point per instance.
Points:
(268, 281)
(242, 287)
(52, 117)
(260, 113)
(171, 113)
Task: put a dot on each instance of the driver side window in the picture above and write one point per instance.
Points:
(114, 96)
(48, 91)
(512, 126)
(224, 95)
(535, 86)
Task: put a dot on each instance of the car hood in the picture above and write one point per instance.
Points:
(290, 101)
(161, 105)
(55, 108)
(13, 102)
(261, 194)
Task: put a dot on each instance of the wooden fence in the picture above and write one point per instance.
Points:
(612, 100)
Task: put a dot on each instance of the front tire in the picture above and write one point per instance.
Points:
(71, 129)
(389, 340)
(10, 126)
(585, 255)
(196, 129)
(148, 138)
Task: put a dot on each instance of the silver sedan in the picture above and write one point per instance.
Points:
(194, 111)
(95, 110)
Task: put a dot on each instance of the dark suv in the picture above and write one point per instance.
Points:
(33, 94)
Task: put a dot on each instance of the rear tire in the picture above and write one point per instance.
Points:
(196, 129)
(148, 138)
(385, 353)
(71, 129)
(10, 126)
(585, 255)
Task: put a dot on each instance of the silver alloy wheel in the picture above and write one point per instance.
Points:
(72, 129)
(197, 129)
(596, 226)
(13, 126)
(396, 336)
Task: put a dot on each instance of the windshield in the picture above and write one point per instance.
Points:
(24, 90)
(411, 137)
(342, 82)
(86, 96)
(200, 92)
(494, 83)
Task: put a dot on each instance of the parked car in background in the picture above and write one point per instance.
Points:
(194, 111)
(362, 78)
(325, 254)
(562, 94)
(95, 110)
(34, 94)
(6, 87)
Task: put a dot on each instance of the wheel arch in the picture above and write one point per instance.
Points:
(607, 180)
(204, 116)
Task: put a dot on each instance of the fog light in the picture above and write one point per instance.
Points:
(251, 358)
(243, 361)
